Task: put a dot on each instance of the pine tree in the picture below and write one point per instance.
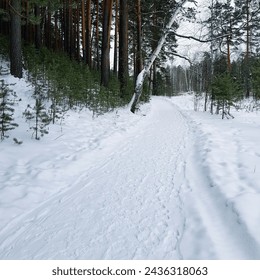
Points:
(226, 91)
(38, 115)
(6, 110)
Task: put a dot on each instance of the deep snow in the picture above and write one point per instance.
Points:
(166, 183)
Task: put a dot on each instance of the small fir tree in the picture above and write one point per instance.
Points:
(226, 91)
(6, 110)
(38, 115)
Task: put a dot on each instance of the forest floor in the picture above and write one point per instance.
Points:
(166, 183)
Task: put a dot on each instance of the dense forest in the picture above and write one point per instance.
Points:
(88, 53)
(87, 32)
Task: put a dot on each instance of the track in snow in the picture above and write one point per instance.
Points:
(144, 200)
(214, 228)
(127, 207)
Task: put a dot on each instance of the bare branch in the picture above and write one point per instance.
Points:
(184, 57)
(191, 38)
(199, 40)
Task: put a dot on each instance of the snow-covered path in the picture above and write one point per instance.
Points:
(214, 228)
(147, 195)
(127, 206)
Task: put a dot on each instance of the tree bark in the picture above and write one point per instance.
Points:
(88, 35)
(106, 26)
(123, 47)
(83, 26)
(142, 75)
(139, 57)
(97, 36)
(116, 39)
(38, 37)
(247, 49)
(16, 39)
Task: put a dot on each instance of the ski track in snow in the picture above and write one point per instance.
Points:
(127, 207)
(147, 197)
(216, 181)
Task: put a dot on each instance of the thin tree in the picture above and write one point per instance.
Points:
(38, 35)
(116, 39)
(88, 35)
(123, 46)
(83, 27)
(139, 57)
(16, 39)
(105, 52)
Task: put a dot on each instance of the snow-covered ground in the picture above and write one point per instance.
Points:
(166, 183)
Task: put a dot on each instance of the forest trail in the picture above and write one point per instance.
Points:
(147, 197)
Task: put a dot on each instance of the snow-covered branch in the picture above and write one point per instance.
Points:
(142, 75)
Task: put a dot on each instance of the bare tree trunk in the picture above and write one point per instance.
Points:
(116, 38)
(139, 57)
(142, 75)
(105, 59)
(4, 26)
(247, 49)
(123, 47)
(228, 54)
(78, 30)
(38, 37)
(88, 35)
(71, 31)
(16, 39)
(211, 64)
(56, 30)
(83, 26)
(97, 36)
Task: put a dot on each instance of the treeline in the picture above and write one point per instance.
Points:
(87, 31)
(229, 71)
(65, 47)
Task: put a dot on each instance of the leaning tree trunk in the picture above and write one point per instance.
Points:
(142, 75)
(16, 39)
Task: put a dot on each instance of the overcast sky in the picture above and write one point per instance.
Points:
(192, 49)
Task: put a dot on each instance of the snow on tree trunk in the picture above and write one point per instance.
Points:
(142, 75)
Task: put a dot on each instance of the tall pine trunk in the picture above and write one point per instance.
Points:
(139, 57)
(247, 74)
(38, 37)
(97, 36)
(116, 39)
(83, 26)
(123, 47)
(105, 52)
(88, 35)
(16, 39)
